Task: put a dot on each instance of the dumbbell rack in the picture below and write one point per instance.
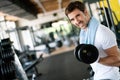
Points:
(7, 67)
(10, 67)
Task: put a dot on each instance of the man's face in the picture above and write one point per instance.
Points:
(79, 18)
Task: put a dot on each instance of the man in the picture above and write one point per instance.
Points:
(106, 67)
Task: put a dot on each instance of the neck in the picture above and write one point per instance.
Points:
(89, 18)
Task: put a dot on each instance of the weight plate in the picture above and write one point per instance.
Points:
(88, 53)
(77, 50)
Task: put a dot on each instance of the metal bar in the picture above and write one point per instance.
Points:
(110, 13)
(106, 18)
(40, 4)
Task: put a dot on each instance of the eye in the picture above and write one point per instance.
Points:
(77, 15)
(71, 20)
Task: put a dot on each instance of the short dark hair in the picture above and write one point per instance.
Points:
(74, 5)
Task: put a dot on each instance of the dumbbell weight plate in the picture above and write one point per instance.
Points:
(76, 51)
(88, 53)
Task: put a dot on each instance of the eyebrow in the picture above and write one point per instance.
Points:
(75, 17)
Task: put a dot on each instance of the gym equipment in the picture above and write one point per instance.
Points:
(59, 43)
(86, 53)
(29, 61)
(35, 73)
(7, 66)
(10, 67)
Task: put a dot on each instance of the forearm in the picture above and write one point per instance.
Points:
(110, 61)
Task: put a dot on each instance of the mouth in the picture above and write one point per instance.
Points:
(80, 24)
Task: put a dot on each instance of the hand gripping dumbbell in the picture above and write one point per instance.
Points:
(86, 53)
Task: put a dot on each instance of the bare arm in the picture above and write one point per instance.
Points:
(113, 58)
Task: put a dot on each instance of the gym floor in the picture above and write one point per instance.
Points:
(62, 67)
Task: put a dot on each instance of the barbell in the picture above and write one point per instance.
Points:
(86, 53)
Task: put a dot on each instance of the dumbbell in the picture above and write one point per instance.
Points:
(86, 53)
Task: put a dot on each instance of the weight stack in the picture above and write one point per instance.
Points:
(8, 68)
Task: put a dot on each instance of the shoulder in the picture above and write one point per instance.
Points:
(104, 31)
(106, 37)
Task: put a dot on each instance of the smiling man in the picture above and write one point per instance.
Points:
(106, 67)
